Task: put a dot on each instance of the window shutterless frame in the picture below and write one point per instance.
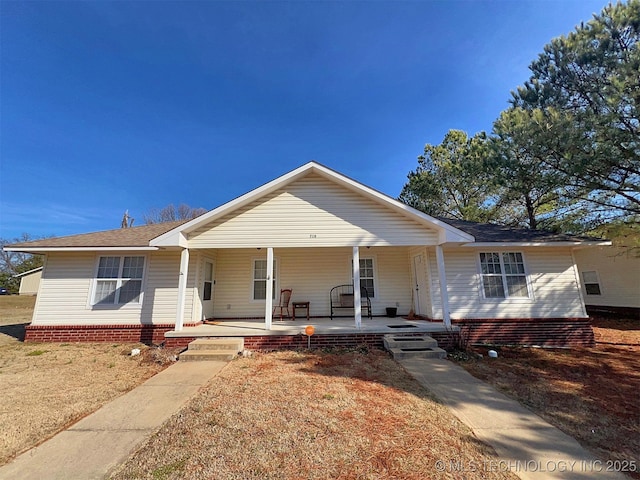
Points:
(259, 279)
(118, 281)
(591, 282)
(503, 276)
(367, 275)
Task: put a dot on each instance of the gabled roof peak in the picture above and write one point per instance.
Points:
(177, 236)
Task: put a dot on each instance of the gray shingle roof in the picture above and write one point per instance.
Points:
(488, 232)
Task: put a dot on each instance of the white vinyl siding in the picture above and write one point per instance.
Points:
(310, 273)
(67, 283)
(29, 284)
(554, 291)
(312, 212)
(618, 271)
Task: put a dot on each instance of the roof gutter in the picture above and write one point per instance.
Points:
(78, 249)
(599, 243)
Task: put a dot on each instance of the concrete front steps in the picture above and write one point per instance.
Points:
(420, 346)
(203, 349)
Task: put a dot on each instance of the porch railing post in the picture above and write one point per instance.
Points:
(357, 300)
(268, 304)
(444, 294)
(182, 288)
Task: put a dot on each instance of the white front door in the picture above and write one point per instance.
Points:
(420, 284)
(208, 283)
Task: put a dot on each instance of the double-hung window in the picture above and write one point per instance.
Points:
(367, 279)
(260, 279)
(503, 275)
(119, 280)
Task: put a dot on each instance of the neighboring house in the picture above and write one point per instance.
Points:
(310, 229)
(29, 281)
(610, 280)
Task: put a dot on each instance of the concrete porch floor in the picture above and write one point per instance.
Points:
(322, 325)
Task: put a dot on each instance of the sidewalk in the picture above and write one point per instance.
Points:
(526, 444)
(97, 444)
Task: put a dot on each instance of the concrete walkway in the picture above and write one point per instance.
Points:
(97, 444)
(526, 444)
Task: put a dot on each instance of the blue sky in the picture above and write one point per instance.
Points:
(109, 106)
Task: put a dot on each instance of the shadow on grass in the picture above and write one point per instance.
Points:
(15, 330)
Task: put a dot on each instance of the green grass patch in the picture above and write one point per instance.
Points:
(166, 470)
(35, 353)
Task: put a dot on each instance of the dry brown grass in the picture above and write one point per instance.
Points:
(591, 393)
(16, 309)
(48, 386)
(310, 415)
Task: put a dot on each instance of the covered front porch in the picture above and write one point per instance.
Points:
(321, 326)
(339, 332)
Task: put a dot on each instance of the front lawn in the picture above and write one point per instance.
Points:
(589, 393)
(312, 415)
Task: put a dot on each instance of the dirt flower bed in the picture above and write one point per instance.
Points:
(591, 394)
(48, 386)
(311, 415)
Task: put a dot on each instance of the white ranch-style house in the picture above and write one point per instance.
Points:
(310, 230)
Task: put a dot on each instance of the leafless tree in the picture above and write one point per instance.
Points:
(172, 213)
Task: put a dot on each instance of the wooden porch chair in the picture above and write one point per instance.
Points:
(283, 303)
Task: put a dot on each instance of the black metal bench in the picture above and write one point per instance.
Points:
(341, 297)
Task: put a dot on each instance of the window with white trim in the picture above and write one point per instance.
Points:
(207, 287)
(367, 275)
(591, 283)
(260, 279)
(118, 280)
(503, 275)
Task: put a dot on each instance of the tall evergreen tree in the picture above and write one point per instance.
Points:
(533, 190)
(452, 181)
(584, 101)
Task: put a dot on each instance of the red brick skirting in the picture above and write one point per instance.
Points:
(546, 332)
(556, 332)
(148, 334)
(298, 342)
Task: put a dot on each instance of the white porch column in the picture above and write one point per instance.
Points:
(444, 295)
(357, 301)
(268, 302)
(182, 287)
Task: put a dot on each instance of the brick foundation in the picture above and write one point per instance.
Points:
(546, 332)
(147, 334)
(556, 332)
(299, 342)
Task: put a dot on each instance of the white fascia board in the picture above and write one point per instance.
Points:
(18, 275)
(536, 244)
(446, 231)
(602, 243)
(79, 249)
